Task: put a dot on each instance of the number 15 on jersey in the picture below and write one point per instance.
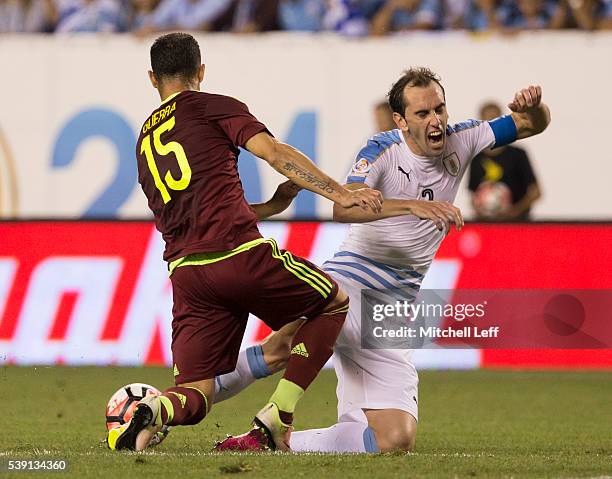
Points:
(164, 149)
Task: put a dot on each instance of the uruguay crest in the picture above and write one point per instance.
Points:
(452, 164)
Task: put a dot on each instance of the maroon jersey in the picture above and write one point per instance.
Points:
(187, 165)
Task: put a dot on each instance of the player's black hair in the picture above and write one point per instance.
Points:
(417, 76)
(175, 55)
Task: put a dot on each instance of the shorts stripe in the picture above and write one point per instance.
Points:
(373, 275)
(343, 309)
(321, 280)
(303, 272)
(352, 276)
(300, 271)
(391, 270)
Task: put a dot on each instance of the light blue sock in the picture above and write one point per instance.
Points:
(341, 437)
(257, 364)
(369, 440)
(249, 367)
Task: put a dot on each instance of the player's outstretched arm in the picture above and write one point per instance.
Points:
(280, 201)
(530, 115)
(296, 166)
(442, 213)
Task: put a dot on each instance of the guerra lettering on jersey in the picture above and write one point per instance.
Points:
(157, 117)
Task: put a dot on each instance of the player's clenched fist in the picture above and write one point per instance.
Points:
(364, 198)
(526, 98)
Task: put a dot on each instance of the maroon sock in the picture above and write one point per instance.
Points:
(286, 417)
(313, 345)
(187, 406)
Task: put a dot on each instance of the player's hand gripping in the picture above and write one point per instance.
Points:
(526, 99)
(442, 213)
(285, 192)
(364, 198)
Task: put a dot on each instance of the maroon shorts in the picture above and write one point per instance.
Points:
(212, 303)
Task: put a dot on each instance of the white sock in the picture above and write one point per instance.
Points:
(250, 366)
(341, 437)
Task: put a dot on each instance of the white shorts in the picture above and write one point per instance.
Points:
(370, 378)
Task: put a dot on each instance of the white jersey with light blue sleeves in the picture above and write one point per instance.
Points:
(397, 252)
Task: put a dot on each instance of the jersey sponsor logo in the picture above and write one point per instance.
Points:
(300, 350)
(362, 167)
(452, 164)
(407, 174)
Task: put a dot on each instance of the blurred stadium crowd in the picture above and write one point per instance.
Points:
(347, 17)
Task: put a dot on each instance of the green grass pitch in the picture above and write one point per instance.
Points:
(472, 424)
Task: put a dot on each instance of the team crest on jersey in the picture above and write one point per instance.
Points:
(452, 164)
(362, 166)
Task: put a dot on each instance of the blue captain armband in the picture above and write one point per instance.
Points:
(504, 130)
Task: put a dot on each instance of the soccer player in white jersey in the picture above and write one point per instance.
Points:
(418, 168)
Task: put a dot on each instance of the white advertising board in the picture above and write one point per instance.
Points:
(72, 107)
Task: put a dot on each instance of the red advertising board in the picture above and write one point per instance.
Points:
(555, 256)
(98, 292)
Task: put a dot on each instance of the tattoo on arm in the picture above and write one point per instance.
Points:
(309, 177)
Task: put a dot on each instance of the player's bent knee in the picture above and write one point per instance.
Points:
(394, 430)
(396, 439)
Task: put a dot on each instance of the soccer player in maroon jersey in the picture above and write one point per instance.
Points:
(221, 268)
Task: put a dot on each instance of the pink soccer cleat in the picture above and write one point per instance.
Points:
(254, 440)
(268, 433)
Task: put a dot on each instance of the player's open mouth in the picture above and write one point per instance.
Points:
(436, 138)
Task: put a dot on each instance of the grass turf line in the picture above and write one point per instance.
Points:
(472, 424)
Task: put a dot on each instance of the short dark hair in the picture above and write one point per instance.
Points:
(175, 55)
(417, 76)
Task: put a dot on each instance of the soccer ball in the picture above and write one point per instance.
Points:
(492, 199)
(121, 406)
